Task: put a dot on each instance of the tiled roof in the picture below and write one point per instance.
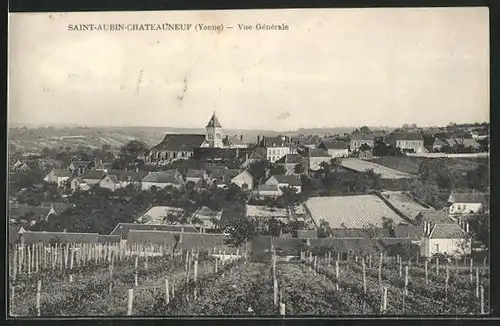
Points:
(316, 152)
(360, 233)
(132, 176)
(408, 231)
(335, 144)
(180, 142)
(273, 142)
(447, 231)
(195, 173)
(108, 238)
(113, 178)
(434, 216)
(292, 159)
(62, 173)
(265, 211)
(232, 141)
(306, 141)
(30, 237)
(93, 175)
(362, 137)
(470, 198)
(214, 122)
(291, 180)
(406, 136)
(170, 176)
(256, 156)
(122, 229)
(81, 163)
(351, 211)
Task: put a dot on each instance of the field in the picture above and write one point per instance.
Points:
(404, 203)
(411, 164)
(197, 284)
(351, 211)
(384, 171)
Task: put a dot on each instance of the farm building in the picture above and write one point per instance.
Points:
(79, 167)
(110, 182)
(445, 238)
(267, 191)
(335, 148)
(358, 165)
(122, 229)
(78, 184)
(93, 177)
(412, 142)
(265, 212)
(357, 140)
(196, 176)
(274, 148)
(290, 161)
(284, 181)
(433, 216)
(357, 212)
(162, 179)
(160, 215)
(360, 233)
(404, 203)
(243, 180)
(58, 176)
(315, 157)
(31, 237)
(181, 240)
(466, 203)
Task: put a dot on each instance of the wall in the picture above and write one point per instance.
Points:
(275, 153)
(465, 208)
(438, 155)
(448, 246)
(338, 152)
(315, 162)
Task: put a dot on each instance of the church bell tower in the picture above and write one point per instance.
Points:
(213, 134)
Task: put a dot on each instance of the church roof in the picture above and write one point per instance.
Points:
(180, 142)
(214, 122)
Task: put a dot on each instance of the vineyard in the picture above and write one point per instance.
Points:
(106, 280)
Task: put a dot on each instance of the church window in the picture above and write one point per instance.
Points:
(210, 136)
(218, 136)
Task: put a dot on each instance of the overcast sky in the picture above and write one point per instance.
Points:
(348, 67)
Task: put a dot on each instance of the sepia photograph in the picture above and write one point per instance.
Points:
(249, 163)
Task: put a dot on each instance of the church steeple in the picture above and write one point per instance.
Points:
(214, 122)
(213, 136)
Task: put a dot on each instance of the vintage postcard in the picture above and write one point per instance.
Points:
(293, 162)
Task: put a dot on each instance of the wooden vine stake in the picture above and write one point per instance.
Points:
(446, 284)
(38, 291)
(167, 293)
(29, 260)
(337, 272)
(14, 265)
(216, 265)
(380, 269)
(400, 267)
(130, 301)
(406, 280)
(12, 296)
(383, 305)
(314, 266)
(482, 300)
(282, 309)
(437, 266)
(470, 268)
(275, 288)
(426, 274)
(136, 283)
(364, 277)
(477, 282)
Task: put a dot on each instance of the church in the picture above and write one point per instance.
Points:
(183, 146)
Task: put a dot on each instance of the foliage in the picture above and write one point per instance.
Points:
(324, 229)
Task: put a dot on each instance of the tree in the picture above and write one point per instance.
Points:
(388, 224)
(298, 168)
(364, 130)
(365, 147)
(324, 229)
(131, 152)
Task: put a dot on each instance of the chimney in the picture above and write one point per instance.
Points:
(258, 140)
(425, 229)
(467, 227)
(241, 137)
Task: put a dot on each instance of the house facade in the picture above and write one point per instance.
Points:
(284, 181)
(162, 179)
(93, 177)
(412, 142)
(445, 238)
(316, 157)
(58, 176)
(110, 182)
(78, 184)
(274, 147)
(357, 140)
(335, 148)
(290, 161)
(243, 180)
(267, 191)
(466, 203)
